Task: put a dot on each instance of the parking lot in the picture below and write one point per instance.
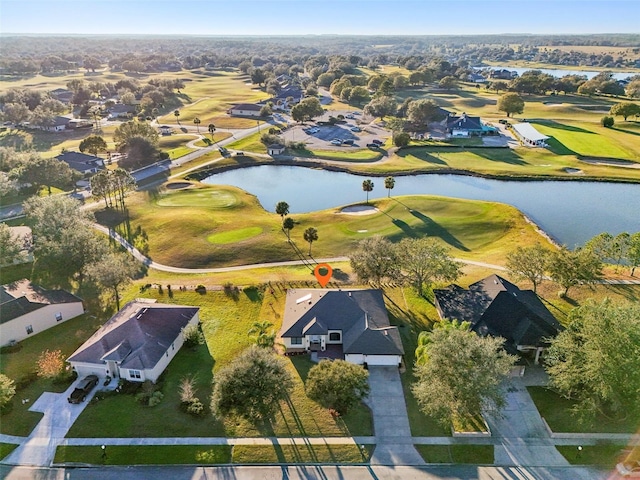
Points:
(321, 136)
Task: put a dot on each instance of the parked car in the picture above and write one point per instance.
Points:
(348, 142)
(83, 389)
(355, 113)
(629, 469)
(503, 121)
(336, 141)
(377, 142)
(350, 116)
(356, 129)
(373, 145)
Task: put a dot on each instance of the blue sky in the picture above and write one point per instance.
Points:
(357, 17)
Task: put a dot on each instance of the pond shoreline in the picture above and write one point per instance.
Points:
(199, 175)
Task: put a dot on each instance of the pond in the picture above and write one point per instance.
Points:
(570, 212)
(556, 72)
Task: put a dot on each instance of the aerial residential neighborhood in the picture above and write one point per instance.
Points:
(296, 249)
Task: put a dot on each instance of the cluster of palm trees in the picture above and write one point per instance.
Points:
(310, 234)
(197, 122)
(389, 183)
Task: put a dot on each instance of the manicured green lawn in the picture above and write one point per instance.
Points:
(226, 320)
(6, 449)
(250, 143)
(556, 410)
(145, 455)
(302, 453)
(478, 454)
(179, 224)
(601, 455)
(235, 235)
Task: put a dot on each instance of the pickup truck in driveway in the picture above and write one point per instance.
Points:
(85, 386)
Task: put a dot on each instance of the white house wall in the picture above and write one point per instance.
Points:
(40, 320)
(246, 113)
(153, 373)
(356, 358)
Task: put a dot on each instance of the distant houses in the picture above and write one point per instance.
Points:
(466, 126)
(120, 110)
(82, 162)
(503, 74)
(27, 309)
(245, 110)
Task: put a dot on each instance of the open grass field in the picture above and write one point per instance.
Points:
(6, 449)
(179, 224)
(342, 454)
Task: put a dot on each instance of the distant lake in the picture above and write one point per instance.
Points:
(571, 212)
(562, 72)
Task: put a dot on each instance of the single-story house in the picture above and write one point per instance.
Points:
(275, 149)
(62, 95)
(503, 74)
(476, 78)
(27, 309)
(528, 134)
(497, 307)
(82, 162)
(463, 125)
(351, 324)
(79, 123)
(165, 130)
(245, 110)
(137, 343)
(58, 124)
(120, 110)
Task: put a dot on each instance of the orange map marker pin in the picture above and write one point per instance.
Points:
(323, 279)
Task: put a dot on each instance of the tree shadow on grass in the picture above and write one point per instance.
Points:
(504, 155)
(424, 154)
(558, 148)
(562, 126)
(624, 130)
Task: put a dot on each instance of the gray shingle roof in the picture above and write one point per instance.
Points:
(359, 314)
(22, 297)
(137, 336)
(497, 307)
(81, 161)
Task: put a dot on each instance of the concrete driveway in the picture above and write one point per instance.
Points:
(390, 420)
(524, 440)
(59, 415)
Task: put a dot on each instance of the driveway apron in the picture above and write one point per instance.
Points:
(390, 420)
(524, 440)
(40, 447)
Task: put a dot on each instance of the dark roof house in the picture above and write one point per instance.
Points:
(354, 320)
(497, 307)
(137, 343)
(81, 162)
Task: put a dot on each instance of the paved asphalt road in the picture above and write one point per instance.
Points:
(304, 472)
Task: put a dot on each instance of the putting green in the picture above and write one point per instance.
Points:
(233, 236)
(199, 198)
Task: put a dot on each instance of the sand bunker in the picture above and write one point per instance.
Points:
(613, 163)
(359, 210)
(178, 185)
(573, 171)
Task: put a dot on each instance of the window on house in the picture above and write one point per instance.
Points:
(29, 329)
(58, 316)
(296, 341)
(334, 337)
(135, 374)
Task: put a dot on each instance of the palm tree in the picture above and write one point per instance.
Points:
(367, 186)
(310, 235)
(424, 338)
(197, 122)
(287, 225)
(212, 129)
(265, 337)
(282, 209)
(176, 113)
(389, 183)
